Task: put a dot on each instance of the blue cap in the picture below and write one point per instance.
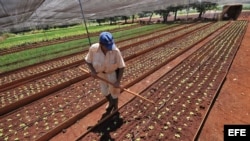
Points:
(107, 40)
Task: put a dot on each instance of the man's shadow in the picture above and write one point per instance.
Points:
(109, 125)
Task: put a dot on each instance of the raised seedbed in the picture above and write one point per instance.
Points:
(183, 96)
(145, 67)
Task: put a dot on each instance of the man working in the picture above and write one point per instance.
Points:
(105, 60)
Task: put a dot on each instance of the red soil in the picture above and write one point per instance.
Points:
(231, 106)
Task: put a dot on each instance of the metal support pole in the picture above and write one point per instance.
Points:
(85, 22)
(188, 9)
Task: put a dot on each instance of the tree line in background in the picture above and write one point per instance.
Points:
(200, 7)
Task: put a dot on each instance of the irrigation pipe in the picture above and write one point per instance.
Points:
(121, 87)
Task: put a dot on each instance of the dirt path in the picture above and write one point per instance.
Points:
(232, 104)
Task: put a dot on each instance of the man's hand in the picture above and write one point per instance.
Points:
(93, 73)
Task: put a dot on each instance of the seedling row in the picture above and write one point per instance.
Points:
(46, 85)
(141, 64)
(183, 96)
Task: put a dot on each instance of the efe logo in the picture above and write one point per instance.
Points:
(237, 132)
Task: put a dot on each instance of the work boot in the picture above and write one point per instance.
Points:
(110, 103)
(115, 109)
(115, 104)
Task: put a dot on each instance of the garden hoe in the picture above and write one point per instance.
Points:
(120, 87)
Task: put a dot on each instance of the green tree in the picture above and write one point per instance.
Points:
(175, 9)
(125, 18)
(99, 21)
(202, 7)
(164, 13)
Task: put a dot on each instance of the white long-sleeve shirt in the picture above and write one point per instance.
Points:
(105, 63)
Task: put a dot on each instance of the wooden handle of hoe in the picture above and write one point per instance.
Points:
(120, 87)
